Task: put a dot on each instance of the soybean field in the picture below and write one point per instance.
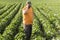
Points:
(46, 24)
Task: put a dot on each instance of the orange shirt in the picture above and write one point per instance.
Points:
(28, 17)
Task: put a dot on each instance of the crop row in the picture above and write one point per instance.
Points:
(5, 9)
(7, 12)
(2, 6)
(48, 31)
(55, 22)
(12, 29)
(6, 21)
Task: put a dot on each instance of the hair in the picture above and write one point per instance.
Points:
(28, 2)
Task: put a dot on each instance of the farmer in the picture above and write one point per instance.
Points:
(27, 20)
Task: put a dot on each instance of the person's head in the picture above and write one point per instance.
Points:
(28, 3)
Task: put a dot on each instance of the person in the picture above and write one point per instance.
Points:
(27, 20)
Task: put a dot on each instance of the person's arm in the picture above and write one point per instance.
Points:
(25, 10)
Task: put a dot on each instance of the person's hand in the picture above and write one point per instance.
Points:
(24, 11)
(27, 6)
